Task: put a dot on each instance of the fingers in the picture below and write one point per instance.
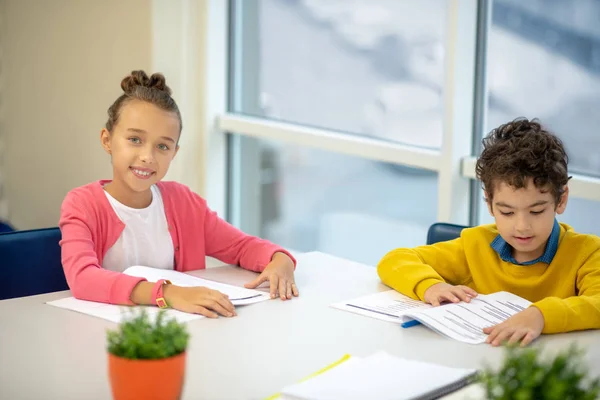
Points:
(277, 285)
(493, 332)
(218, 302)
(468, 290)
(435, 302)
(215, 306)
(274, 283)
(255, 283)
(499, 335)
(518, 335)
(207, 302)
(449, 296)
(527, 339)
(462, 293)
(295, 291)
(203, 311)
(282, 289)
(223, 301)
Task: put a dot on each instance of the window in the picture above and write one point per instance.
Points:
(337, 110)
(313, 200)
(368, 67)
(543, 62)
(552, 71)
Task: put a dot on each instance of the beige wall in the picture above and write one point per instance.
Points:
(62, 64)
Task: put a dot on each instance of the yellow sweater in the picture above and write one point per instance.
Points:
(567, 291)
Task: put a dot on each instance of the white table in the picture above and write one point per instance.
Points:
(52, 353)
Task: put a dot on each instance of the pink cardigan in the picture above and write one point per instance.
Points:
(90, 227)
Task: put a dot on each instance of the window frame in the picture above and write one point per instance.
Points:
(465, 98)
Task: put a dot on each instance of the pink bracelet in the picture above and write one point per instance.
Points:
(157, 293)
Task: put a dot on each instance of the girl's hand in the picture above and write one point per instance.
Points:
(442, 291)
(522, 327)
(280, 273)
(198, 300)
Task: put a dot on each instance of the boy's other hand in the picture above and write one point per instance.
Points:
(442, 291)
(524, 326)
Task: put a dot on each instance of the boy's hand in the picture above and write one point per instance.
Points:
(280, 273)
(524, 326)
(440, 292)
(198, 300)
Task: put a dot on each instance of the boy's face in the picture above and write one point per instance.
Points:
(525, 217)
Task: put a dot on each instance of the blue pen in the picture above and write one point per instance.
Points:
(410, 323)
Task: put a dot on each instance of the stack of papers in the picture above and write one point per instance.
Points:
(459, 321)
(388, 306)
(380, 376)
(115, 313)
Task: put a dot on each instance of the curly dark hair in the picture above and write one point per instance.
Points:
(519, 150)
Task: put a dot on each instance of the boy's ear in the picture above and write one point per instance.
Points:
(562, 204)
(488, 202)
(105, 140)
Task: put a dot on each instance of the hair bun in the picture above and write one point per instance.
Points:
(140, 78)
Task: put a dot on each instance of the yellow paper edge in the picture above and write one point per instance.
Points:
(346, 357)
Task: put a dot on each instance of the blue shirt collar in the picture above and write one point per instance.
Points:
(504, 250)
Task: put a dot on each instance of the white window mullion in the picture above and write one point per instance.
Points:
(459, 98)
(325, 139)
(245, 192)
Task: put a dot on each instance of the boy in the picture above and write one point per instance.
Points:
(523, 169)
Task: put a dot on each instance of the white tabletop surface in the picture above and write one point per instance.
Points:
(52, 353)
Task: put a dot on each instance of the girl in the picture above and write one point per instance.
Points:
(135, 219)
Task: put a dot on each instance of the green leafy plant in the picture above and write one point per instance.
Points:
(524, 375)
(137, 337)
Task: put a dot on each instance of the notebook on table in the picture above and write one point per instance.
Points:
(380, 377)
(461, 321)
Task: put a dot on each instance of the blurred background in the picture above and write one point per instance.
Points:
(376, 69)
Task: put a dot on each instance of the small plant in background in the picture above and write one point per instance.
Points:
(139, 338)
(524, 375)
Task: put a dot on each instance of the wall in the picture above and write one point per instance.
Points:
(62, 62)
(3, 200)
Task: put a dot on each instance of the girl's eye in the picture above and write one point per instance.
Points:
(135, 140)
(507, 214)
(537, 212)
(163, 147)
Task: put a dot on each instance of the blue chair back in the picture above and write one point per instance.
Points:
(5, 227)
(30, 263)
(441, 232)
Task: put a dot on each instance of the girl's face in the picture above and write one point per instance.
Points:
(142, 145)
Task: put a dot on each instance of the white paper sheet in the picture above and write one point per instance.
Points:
(465, 321)
(237, 295)
(116, 313)
(388, 306)
(379, 376)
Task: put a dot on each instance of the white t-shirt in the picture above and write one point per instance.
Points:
(146, 239)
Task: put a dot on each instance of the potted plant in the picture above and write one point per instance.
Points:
(146, 358)
(525, 375)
